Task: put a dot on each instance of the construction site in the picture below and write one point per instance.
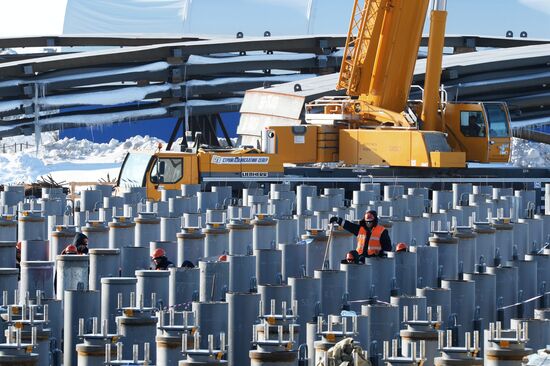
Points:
(376, 195)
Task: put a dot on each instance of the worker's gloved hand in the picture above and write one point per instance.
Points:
(335, 219)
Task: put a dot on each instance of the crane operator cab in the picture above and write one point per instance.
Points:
(480, 129)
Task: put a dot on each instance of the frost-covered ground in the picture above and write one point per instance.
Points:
(75, 160)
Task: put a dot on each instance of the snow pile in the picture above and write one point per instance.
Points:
(69, 159)
(530, 154)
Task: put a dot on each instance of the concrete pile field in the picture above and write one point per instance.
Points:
(268, 284)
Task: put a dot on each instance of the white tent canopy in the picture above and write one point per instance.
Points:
(208, 17)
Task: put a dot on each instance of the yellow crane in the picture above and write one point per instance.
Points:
(383, 127)
(373, 126)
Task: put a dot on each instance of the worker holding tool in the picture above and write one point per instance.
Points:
(160, 260)
(372, 239)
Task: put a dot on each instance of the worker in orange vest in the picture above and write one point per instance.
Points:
(372, 239)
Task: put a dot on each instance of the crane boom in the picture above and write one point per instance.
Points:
(361, 44)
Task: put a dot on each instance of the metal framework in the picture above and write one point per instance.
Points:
(362, 40)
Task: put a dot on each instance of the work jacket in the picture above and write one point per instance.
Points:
(377, 240)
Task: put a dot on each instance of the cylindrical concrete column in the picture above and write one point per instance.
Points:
(110, 288)
(169, 227)
(183, 283)
(264, 232)
(240, 236)
(8, 228)
(485, 296)
(242, 268)
(506, 289)
(77, 305)
(410, 302)
(121, 232)
(138, 327)
(405, 271)
(287, 230)
(358, 280)
(243, 311)
(384, 268)
(383, 321)
(466, 247)
(190, 245)
(268, 266)
(279, 293)
(35, 250)
(426, 265)
(216, 241)
(447, 253)
(60, 238)
(293, 260)
(214, 280)
(149, 282)
(485, 241)
(503, 238)
(97, 233)
(462, 304)
(31, 226)
(333, 287)
(306, 291)
(7, 254)
(103, 263)
(134, 258)
(437, 297)
(147, 229)
(36, 275)
(316, 244)
(8, 280)
(342, 242)
(72, 273)
(211, 318)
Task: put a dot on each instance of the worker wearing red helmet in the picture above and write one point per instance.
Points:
(372, 239)
(70, 249)
(160, 260)
(401, 247)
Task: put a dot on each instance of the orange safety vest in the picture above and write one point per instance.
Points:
(374, 246)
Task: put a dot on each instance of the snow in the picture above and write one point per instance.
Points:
(111, 97)
(69, 159)
(530, 154)
(202, 60)
(72, 160)
(231, 80)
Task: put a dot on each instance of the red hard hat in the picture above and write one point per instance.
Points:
(159, 252)
(223, 258)
(71, 249)
(401, 247)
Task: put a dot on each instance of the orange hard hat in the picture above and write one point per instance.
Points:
(159, 252)
(223, 258)
(71, 249)
(401, 247)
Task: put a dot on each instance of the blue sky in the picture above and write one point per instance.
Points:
(484, 17)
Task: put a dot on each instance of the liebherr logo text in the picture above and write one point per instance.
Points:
(240, 159)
